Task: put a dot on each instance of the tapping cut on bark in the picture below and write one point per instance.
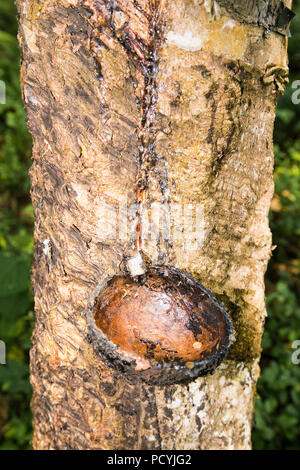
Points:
(163, 327)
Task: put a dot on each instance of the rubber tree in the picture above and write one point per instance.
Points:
(141, 107)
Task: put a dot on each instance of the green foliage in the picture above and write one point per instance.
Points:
(277, 412)
(16, 221)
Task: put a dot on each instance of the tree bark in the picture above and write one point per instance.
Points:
(132, 103)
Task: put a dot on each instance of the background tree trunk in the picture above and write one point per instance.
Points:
(181, 95)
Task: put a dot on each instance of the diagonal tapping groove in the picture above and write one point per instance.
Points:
(147, 131)
(137, 26)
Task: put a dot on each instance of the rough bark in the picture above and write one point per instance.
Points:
(179, 95)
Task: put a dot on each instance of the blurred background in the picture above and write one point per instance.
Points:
(277, 410)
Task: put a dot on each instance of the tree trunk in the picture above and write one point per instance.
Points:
(136, 105)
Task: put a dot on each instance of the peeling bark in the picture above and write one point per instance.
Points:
(131, 103)
(273, 15)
